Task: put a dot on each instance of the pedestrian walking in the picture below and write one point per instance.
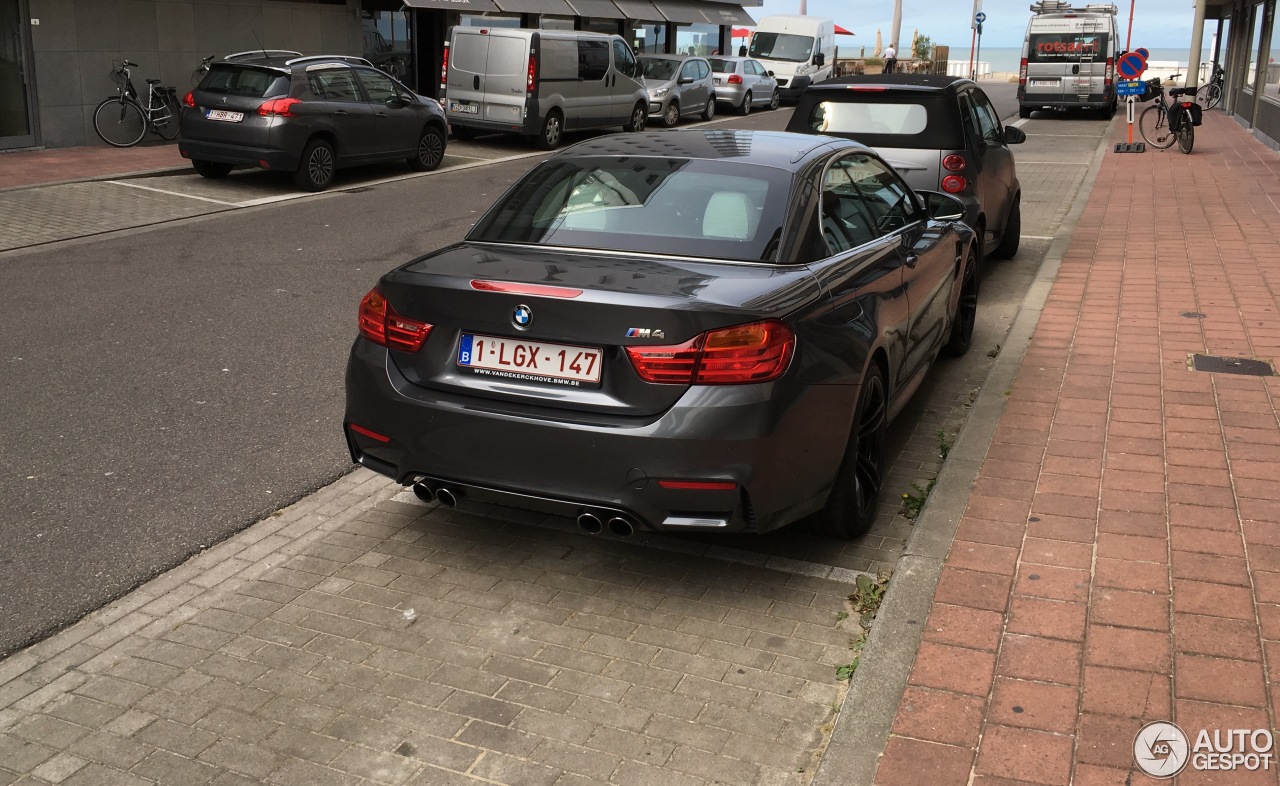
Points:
(891, 59)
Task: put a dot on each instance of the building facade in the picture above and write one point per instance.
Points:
(1245, 42)
(56, 56)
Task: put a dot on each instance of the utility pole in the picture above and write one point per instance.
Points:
(896, 30)
(1197, 44)
(804, 7)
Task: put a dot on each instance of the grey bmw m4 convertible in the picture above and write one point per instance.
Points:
(682, 331)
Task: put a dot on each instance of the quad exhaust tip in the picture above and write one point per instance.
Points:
(621, 527)
(447, 497)
(423, 492)
(590, 524)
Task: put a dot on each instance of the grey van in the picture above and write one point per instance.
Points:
(540, 83)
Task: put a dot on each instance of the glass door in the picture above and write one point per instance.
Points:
(16, 105)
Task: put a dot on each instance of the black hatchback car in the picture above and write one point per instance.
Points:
(678, 331)
(308, 116)
(940, 132)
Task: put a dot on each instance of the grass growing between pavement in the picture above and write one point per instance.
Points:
(913, 500)
(864, 603)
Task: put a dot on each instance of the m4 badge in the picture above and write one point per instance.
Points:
(645, 333)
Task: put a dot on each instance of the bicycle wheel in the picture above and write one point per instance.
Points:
(1154, 128)
(120, 124)
(164, 118)
(1209, 96)
(1186, 133)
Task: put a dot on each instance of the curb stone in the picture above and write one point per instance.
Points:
(877, 687)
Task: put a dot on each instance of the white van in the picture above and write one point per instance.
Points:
(1069, 58)
(540, 83)
(797, 50)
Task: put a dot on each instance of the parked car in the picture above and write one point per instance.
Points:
(743, 83)
(540, 83)
(680, 331)
(940, 132)
(679, 86)
(306, 115)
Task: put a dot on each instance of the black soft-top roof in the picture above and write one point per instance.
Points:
(924, 82)
(763, 148)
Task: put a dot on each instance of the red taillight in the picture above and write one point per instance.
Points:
(954, 184)
(514, 288)
(532, 81)
(734, 79)
(953, 163)
(757, 352)
(698, 485)
(444, 67)
(1110, 72)
(189, 99)
(383, 326)
(278, 107)
(1022, 72)
(370, 434)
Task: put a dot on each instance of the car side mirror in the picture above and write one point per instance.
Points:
(397, 102)
(820, 60)
(770, 73)
(942, 207)
(686, 80)
(1014, 135)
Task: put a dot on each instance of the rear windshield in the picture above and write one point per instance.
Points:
(880, 119)
(670, 206)
(658, 69)
(1071, 47)
(782, 46)
(236, 80)
(722, 66)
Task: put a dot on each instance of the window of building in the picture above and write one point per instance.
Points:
(1271, 77)
(555, 22)
(698, 39)
(486, 20)
(650, 38)
(611, 26)
(1255, 42)
(388, 42)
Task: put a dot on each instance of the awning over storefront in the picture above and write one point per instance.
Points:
(465, 6)
(642, 10)
(559, 7)
(600, 9)
(726, 14)
(680, 11)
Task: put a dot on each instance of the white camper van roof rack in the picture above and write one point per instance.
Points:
(1065, 7)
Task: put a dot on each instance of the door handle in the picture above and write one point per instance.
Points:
(382, 114)
(341, 112)
(475, 82)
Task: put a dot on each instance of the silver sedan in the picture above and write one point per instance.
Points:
(744, 83)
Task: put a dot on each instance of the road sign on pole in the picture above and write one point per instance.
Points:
(977, 9)
(979, 17)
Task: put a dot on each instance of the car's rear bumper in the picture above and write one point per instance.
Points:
(779, 457)
(239, 155)
(1061, 101)
(730, 94)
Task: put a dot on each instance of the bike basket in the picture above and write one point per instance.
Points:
(1195, 113)
(1150, 91)
(119, 78)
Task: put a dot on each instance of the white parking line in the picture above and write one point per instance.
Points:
(174, 193)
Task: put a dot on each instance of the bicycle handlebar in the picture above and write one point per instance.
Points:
(128, 63)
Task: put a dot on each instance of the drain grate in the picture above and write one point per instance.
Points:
(1222, 365)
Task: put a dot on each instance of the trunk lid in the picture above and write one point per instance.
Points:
(621, 301)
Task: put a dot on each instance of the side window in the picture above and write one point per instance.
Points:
(690, 70)
(704, 70)
(862, 199)
(334, 84)
(988, 120)
(378, 86)
(754, 68)
(623, 59)
(593, 59)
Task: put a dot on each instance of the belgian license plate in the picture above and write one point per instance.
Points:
(533, 361)
(466, 109)
(1044, 83)
(716, 80)
(224, 115)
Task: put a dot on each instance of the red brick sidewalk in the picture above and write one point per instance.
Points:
(38, 167)
(1119, 560)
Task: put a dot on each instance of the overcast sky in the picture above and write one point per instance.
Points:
(1156, 23)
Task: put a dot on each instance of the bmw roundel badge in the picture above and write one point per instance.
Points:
(522, 317)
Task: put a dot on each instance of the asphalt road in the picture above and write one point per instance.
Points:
(168, 386)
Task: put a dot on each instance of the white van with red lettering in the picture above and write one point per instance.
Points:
(1069, 58)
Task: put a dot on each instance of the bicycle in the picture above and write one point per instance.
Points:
(1210, 95)
(122, 121)
(1163, 124)
(197, 76)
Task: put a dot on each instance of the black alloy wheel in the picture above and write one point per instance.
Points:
(966, 310)
(851, 507)
(318, 166)
(430, 150)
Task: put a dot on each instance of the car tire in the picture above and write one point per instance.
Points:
(775, 100)
(316, 169)
(851, 507)
(552, 131)
(430, 152)
(639, 118)
(1012, 237)
(211, 169)
(671, 117)
(745, 109)
(710, 111)
(966, 316)
(1024, 112)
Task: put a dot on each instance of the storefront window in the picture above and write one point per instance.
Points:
(387, 43)
(649, 38)
(698, 39)
(1255, 41)
(485, 20)
(555, 22)
(1272, 78)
